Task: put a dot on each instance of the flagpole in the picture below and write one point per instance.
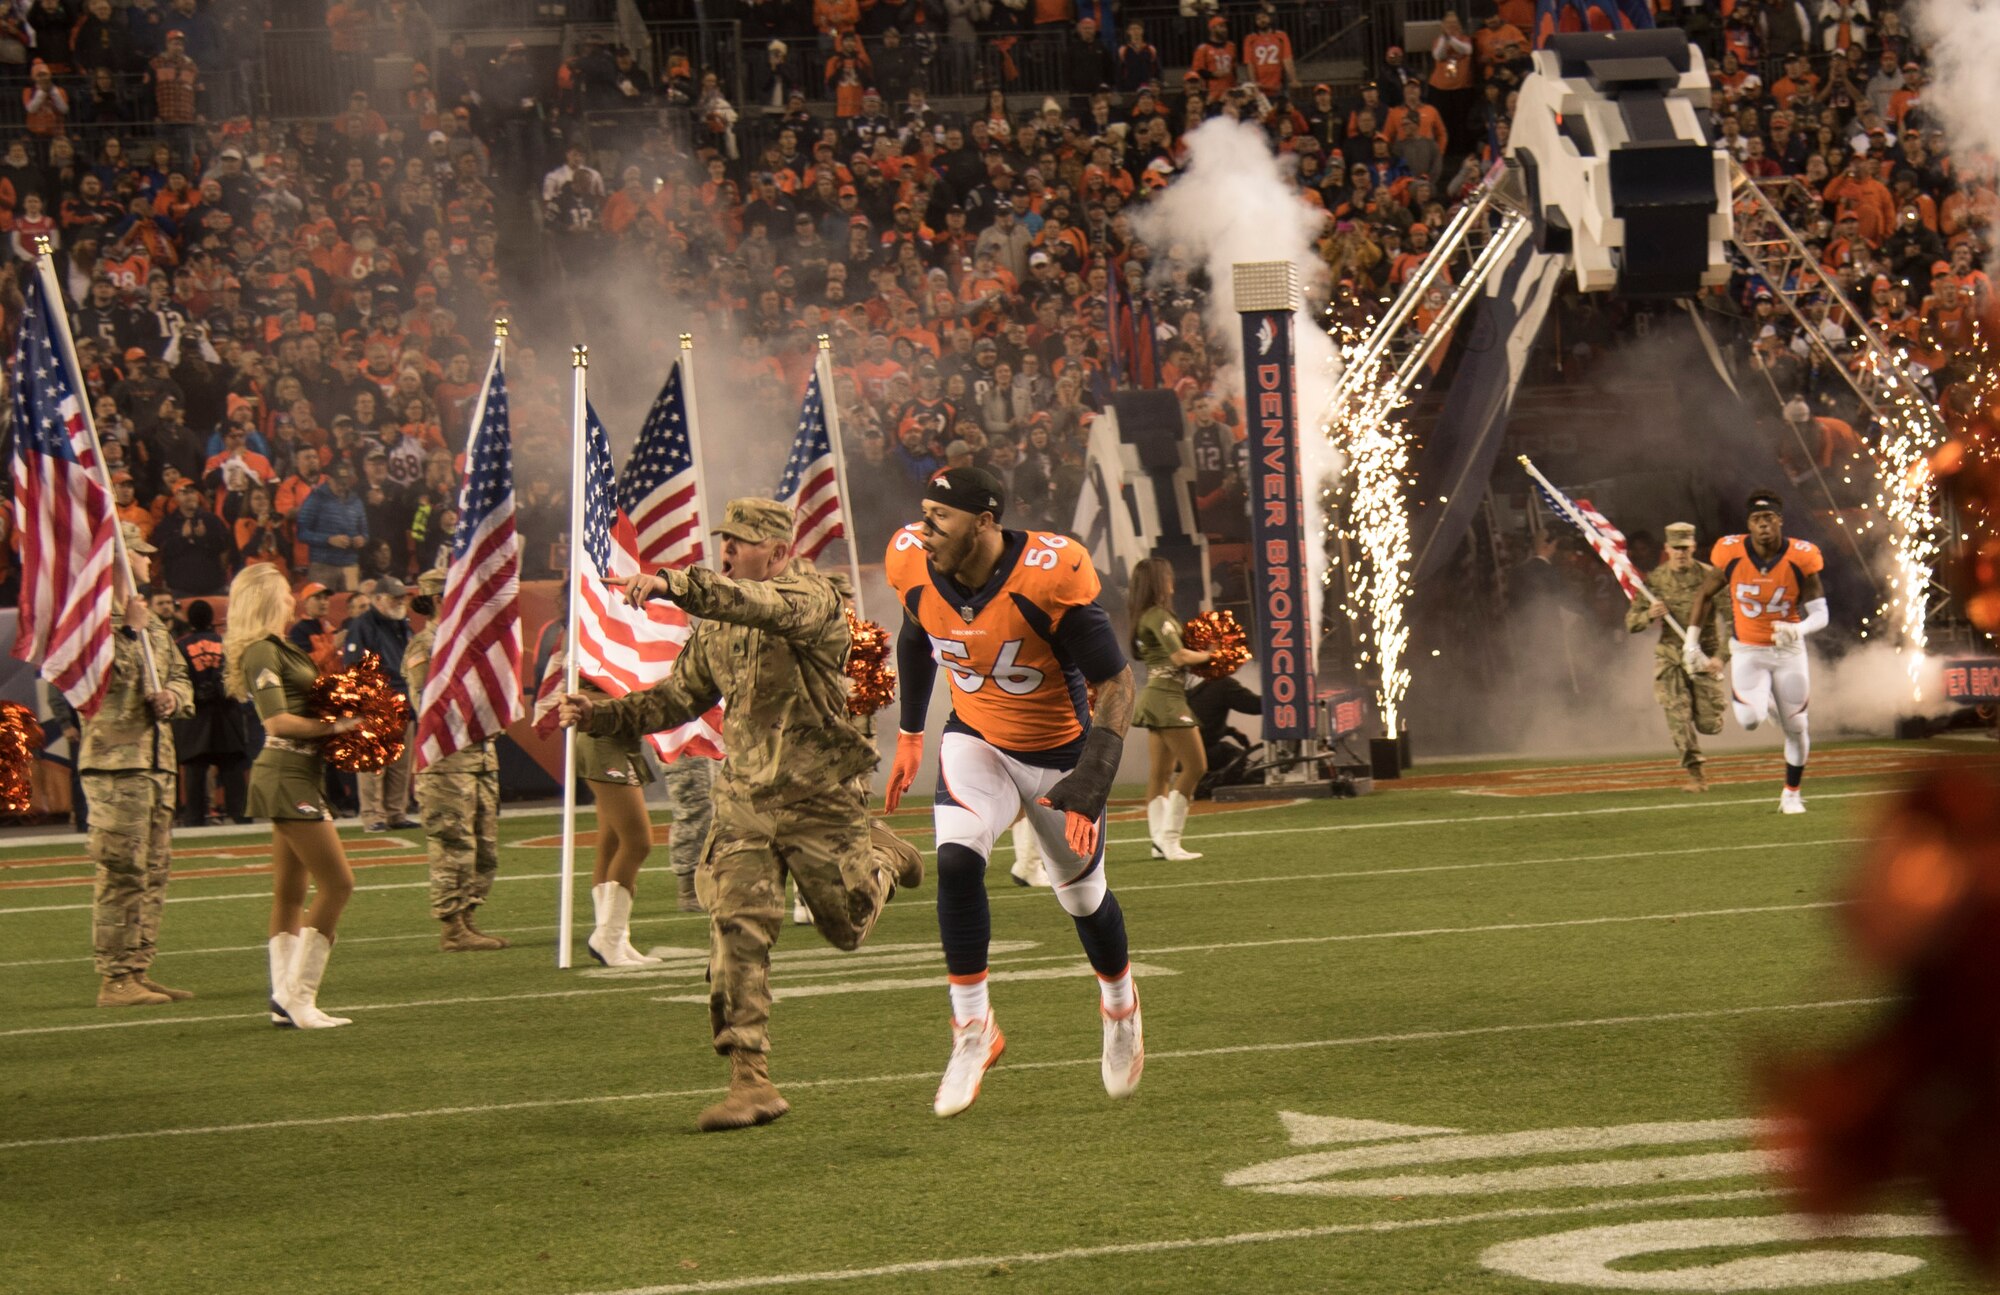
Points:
(45, 266)
(1561, 503)
(694, 447)
(566, 906)
(824, 368)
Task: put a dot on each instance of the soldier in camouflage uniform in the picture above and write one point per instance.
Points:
(459, 799)
(690, 790)
(792, 794)
(128, 768)
(1693, 701)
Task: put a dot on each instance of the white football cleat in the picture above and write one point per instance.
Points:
(1124, 1049)
(1792, 802)
(975, 1045)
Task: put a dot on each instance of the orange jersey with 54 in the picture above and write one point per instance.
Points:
(1010, 682)
(1763, 592)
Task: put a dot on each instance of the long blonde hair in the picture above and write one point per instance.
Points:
(1151, 578)
(260, 605)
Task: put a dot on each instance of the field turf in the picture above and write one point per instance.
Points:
(1517, 968)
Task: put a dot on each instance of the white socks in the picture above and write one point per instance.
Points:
(968, 999)
(1116, 993)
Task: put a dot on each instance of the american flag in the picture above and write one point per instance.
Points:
(625, 649)
(657, 488)
(811, 488)
(1607, 540)
(474, 688)
(62, 513)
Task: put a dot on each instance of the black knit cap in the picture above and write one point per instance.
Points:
(971, 490)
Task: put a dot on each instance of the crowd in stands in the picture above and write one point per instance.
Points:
(283, 323)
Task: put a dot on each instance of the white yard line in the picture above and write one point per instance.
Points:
(1494, 928)
(1239, 1049)
(128, 1022)
(1121, 888)
(1304, 829)
(1169, 1245)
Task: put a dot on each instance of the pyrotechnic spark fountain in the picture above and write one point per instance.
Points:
(1906, 495)
(1373, 517)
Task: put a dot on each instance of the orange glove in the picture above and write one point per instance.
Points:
(903, 769)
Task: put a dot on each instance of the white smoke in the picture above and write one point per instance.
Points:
(1235, 204)
(1962, 38)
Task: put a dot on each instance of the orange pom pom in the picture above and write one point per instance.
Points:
(20, 745)
(362, 692)
(1219, 634)
(872, 678)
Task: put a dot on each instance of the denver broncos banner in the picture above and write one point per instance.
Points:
(1277, 527)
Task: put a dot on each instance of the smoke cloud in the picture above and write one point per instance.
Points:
(1235, 204)
(1962, 38)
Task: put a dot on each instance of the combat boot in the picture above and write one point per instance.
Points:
(459, 937)
(126, 991)
(689, 901)
(498, 943)
(147, 982)
(1697, 780)
(902, 861)
(751, 1098)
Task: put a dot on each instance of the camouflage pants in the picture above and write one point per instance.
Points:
(385, 795)
(1693, 705)
(461, 812)
(823, 842)
(131, 842)
(689, 780)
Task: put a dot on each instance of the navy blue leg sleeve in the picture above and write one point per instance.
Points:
(964, 921)
(1103, 936)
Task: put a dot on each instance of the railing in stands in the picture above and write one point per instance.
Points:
(1335, 29)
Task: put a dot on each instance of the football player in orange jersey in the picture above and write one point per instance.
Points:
(1013, 618)
(1774, 588)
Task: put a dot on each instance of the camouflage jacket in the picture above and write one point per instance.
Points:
(1677, 589)
(478, 758)
(775, 653)
(125, 733)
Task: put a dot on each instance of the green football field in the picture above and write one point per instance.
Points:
(1489, 1030)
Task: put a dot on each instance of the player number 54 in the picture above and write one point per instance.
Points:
(1746, 601)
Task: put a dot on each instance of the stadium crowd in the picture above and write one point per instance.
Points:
(283, 322)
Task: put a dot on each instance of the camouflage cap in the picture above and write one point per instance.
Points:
(431, 582)
(754, 520)
(134, 541)
(1680, 533)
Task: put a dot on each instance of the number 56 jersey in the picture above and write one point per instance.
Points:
(1764, 591)
(1020, 651)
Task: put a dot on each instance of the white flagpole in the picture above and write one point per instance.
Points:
(694, 449)
(566, 907)
(824, 368)
(45, 266)
(1576, 519)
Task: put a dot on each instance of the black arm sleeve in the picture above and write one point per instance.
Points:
(1086, 638)
(919, 670)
